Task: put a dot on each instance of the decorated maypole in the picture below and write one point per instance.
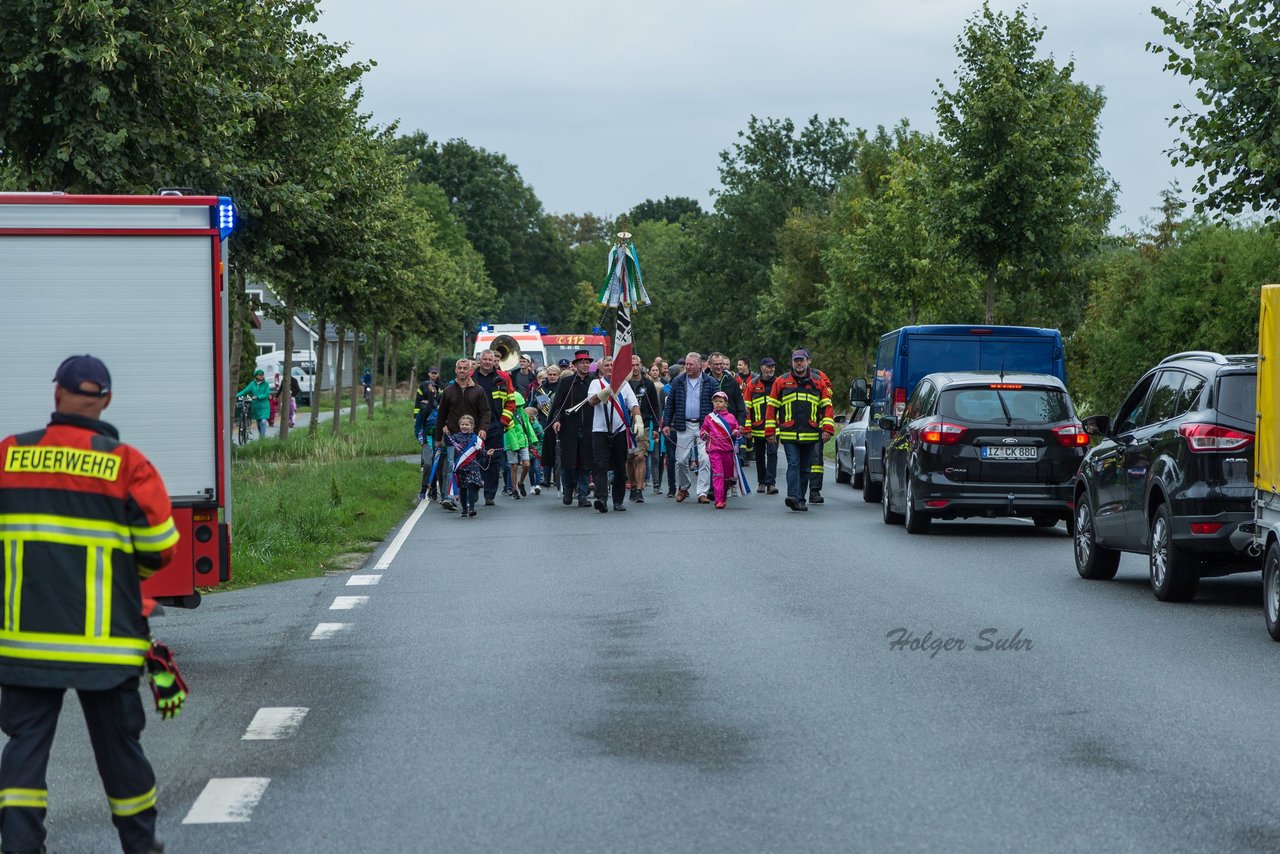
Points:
(623, 289)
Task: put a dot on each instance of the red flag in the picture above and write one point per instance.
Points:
(621, 349)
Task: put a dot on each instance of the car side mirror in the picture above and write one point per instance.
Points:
(1097, 425)
(887, 422)
(840, 419)
(858, 395)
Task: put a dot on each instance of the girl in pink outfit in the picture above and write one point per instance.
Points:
(720, 445)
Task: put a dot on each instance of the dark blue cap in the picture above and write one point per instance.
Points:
(563, 363)
(81, 369)
(766, 362)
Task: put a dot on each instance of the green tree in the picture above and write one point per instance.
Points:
(1229, 50)
(525, 256)
(1024, 198)
(1190, 285)
(105, 97)
(773, 171)
(667, 209)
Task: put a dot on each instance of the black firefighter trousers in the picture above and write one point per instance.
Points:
(115, 719)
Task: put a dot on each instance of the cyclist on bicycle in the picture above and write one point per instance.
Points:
(260, 392)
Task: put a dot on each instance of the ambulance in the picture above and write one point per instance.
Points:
(123, 278)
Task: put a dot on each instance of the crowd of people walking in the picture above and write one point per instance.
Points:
(693, 427)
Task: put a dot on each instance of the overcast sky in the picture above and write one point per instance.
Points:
(604, 106)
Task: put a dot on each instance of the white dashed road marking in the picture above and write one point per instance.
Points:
(363, 580)
(274, 723)
(394, 549)
(328, 630)
(227, 800)
(346, 603)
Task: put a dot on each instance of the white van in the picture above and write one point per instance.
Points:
(304, 369)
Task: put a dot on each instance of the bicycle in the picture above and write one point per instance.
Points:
(244, 413)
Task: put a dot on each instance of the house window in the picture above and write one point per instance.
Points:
(263, 349)
(252, 292)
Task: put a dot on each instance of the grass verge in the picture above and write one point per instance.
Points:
(305, 506)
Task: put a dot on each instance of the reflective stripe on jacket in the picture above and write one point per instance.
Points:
(83, 518)
(502, 402)
(756, 396)
(799, 409)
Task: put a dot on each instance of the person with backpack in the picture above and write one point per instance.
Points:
(517, 440)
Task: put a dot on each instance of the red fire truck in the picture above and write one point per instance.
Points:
(140, 282)
(564, 346)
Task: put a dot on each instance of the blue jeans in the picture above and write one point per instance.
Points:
(262, 428)
(800, 457)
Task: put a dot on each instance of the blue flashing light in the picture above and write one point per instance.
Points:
(225, 217)
(484, 327)
(596, 330)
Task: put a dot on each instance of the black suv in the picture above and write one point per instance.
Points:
(1173, 475)
(982, 443)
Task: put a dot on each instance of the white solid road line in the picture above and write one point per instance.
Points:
(394, 549)
(270, 724)
(328, 630)
(346, 603)
(363, 580)
(227, 800)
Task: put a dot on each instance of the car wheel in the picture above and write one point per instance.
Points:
(916, 522)
(842, 476)
(887, 512)
(1094, 562)
(1174, 573)
(1043, 520)
(1271, 591)
(859, 479)
(871, 490)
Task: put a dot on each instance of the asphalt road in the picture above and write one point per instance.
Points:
(675, 678)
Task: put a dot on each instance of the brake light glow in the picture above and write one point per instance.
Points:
(936, 503)
(1071, 435)
(1006, 385)
(941, 433)
(1206, 527)
(1206, 438)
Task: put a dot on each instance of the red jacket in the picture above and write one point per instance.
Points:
(83, 518)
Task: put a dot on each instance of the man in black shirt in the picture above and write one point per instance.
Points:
(647, 395)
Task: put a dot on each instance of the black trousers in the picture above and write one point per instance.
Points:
(116, 719)
(766, 462)
(609, 453)
(496, 463)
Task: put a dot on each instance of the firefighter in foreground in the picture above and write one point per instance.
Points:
(83, 517)
(799, 415)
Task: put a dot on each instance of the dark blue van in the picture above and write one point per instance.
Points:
(907, 354)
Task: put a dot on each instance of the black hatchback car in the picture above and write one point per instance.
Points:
(1173, 475)
(982, 443)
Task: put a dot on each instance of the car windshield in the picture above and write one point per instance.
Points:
(1006, 405)
(1237, 396)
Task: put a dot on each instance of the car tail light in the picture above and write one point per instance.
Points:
(1071, 435)
(1206, 527)
(899, 402)
(941, 433)
(937, 503)
(1204, 438)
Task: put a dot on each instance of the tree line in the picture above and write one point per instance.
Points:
(821, 234)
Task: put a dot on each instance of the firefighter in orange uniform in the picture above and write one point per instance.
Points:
(798, 415)
(83, 518)
(755, 394)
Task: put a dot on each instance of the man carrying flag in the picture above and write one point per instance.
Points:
(615, 406)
